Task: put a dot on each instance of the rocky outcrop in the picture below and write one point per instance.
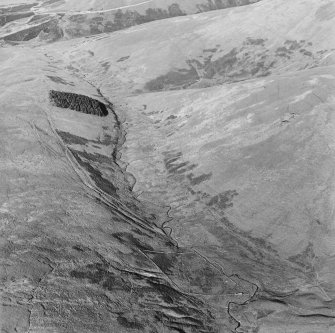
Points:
(78, 102)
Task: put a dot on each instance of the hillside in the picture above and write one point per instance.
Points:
(63, 19)
(174, 174)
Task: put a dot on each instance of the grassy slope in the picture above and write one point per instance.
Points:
(245, 167)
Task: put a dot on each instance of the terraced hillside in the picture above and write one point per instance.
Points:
(173, 176)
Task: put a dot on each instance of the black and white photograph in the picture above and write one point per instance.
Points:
(167, 166)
